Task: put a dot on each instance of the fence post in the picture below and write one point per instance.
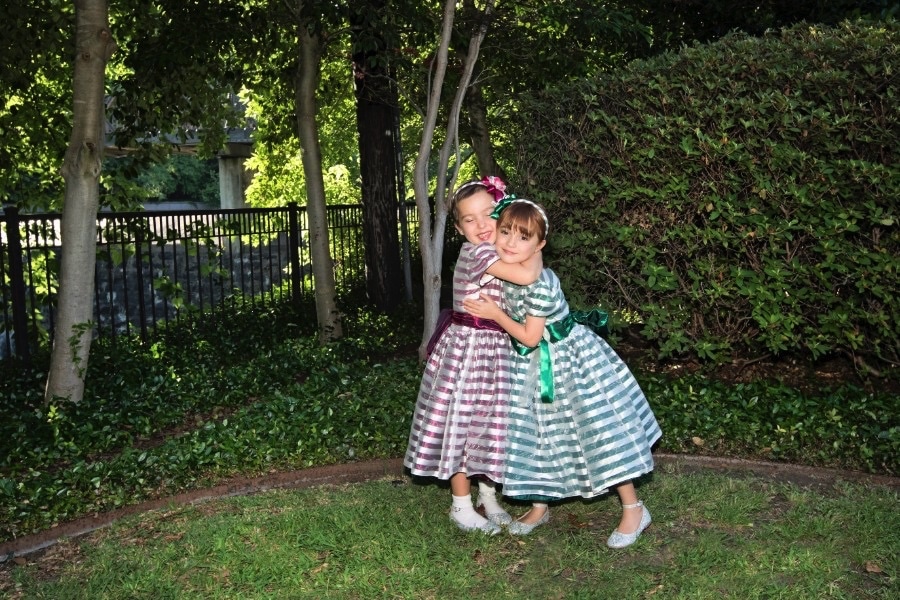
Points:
(17, 285)
(139, 266)
(294, 239)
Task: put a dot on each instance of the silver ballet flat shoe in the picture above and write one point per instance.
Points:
(488, 527)
(498, 518)
(623, 540)
(519, 528)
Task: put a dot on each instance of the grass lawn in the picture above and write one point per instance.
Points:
(713, 536)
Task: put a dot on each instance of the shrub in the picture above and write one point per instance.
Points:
(739, 197)
(842, 427)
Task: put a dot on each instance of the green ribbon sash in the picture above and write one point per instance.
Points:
(595, 319)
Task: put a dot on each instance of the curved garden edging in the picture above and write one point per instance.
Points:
(364, 471)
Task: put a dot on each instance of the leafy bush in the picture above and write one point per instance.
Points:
(843, 427)
(740, 197)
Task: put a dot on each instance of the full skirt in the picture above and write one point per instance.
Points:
(459, 420)
(596, 433)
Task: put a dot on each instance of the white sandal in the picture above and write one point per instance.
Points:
(623, 540)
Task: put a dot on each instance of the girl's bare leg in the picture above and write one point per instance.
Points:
(460, 484)
(631, 517)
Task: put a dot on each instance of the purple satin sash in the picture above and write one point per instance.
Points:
(463, 318)
(448, 316)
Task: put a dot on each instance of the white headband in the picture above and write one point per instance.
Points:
(512, 199)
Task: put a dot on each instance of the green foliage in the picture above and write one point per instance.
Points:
(35, 111)
(254, 391)
(841, 427)
(182, 178)
(739, 196)
(270, 96)
(173, 80)
(709, 20)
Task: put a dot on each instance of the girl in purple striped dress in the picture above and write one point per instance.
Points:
(458, 427)
(578, 422)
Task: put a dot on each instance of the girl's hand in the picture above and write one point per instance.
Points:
(482, 307)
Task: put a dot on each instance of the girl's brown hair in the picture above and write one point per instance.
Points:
(462, 192)
(525, 217)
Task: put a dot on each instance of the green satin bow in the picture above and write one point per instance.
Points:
(495, 214)
(595, 319)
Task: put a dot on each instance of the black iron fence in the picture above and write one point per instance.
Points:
(162, 266)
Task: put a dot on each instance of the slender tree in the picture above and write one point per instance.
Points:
(94, 45)
(308, 65)
(431, 231)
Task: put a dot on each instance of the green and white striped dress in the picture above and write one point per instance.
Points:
(597, 431)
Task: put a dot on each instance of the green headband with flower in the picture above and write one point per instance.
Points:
(512, 199)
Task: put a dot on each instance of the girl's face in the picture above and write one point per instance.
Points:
(474, 218)
(514, 246)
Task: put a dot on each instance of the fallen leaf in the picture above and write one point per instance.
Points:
(872, 567)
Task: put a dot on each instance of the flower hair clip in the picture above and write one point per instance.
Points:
(495, 187)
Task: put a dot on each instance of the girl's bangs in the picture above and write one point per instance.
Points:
(520, 218)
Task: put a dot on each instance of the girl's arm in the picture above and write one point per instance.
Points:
(524, 273)
(528, 333)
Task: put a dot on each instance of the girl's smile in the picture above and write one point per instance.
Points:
(515, 247)
(474, 220)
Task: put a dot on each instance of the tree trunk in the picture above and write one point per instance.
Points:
(329, 319)
(376, 101)
(431, 232)
(94, 46)
(480, 133)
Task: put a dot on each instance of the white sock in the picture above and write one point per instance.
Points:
(487, 496)
(464, 513)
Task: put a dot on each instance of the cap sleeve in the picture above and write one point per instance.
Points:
(483, 256)
(541, 300)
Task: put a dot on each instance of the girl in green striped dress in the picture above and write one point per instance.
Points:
(578, 422)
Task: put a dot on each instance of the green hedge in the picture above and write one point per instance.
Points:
(736, 197)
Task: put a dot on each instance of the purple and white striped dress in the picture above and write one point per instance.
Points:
(460, 415)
